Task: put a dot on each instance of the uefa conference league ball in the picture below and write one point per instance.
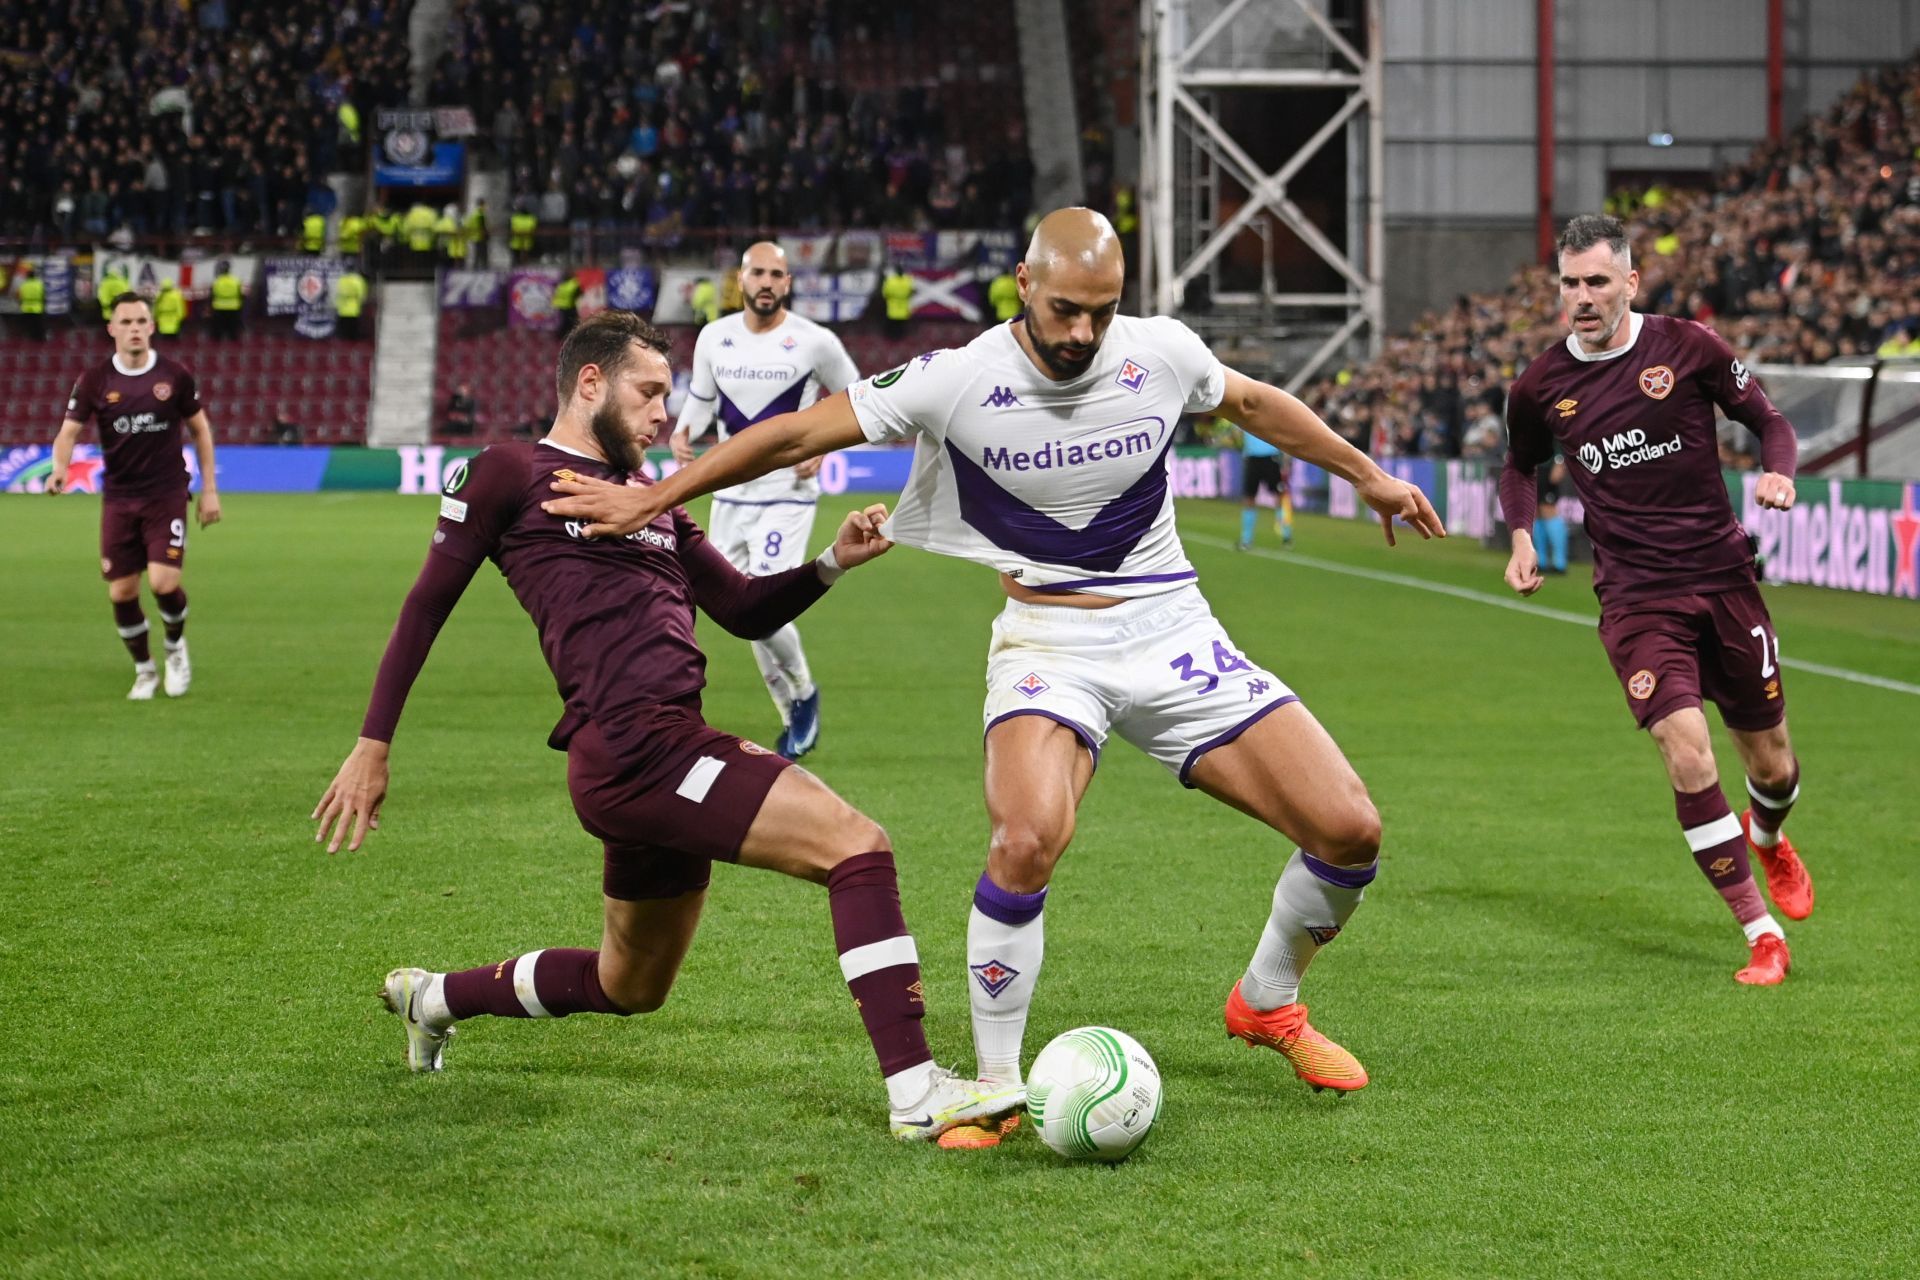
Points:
(1093, 1094)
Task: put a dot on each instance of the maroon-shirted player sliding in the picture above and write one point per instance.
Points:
(1630, 401)
(664, 792)
(139, 401)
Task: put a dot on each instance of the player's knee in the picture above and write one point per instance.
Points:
(121, 590)
(1025, 854)
(1352, 837)
(1774, 771)
(852, 834)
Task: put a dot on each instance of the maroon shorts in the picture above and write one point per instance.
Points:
(137, 532)
(1675, 652)
(664, 820)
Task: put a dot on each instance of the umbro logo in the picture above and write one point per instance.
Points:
(1001, 398)
(1566, 407)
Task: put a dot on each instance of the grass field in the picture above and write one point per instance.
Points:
(195, 1077)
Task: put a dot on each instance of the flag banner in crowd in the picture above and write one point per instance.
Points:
(833, 297)
(303, 288)
(530, 298)
(472, 290)
(911, 250)
(632, 289)
(55, 271)
(809, 252)
(947, 294)
(861, 251)
(411, 152)
(194, 275)
(593, 292)
(673, 304)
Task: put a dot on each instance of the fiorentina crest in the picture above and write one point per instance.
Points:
(993, 976)
(1323, 933)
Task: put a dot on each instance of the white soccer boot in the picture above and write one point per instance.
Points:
(950, 1100)
(401, 993)
(179, 670)
(145, 680)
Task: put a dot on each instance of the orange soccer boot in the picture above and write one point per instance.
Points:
(1315, 1059)
(1788, 883)
(1769, 964)
(978, 1137)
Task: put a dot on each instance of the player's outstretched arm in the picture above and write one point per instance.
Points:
(350, 809)
(1278, 418)
(612, 510)
(208, 509)
(63, 455)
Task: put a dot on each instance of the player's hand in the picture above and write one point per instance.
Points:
(682, 446)
(1775, 491)
(1398, 499)
(859, 539)
(351, 806)
(56, 482)
(208, 508)
(808, 468)
(1523, 568)
(611, 509)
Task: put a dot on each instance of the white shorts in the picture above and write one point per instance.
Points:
(759, 538)
(1160, 670)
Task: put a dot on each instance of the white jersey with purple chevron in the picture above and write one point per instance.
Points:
(1060, 485)
(741, 377)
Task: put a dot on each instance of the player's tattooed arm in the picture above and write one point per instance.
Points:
(1278, 418)
(612, 510)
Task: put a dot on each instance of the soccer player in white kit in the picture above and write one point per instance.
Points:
(750, 366)
(1040, 450)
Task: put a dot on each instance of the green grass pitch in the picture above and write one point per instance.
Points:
(196, 1077)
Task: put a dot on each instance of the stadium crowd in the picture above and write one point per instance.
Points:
(680, 116)
(150, 117)
(1808, 252)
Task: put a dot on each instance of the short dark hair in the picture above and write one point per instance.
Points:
(1590, 229)
(605, 339)
(129, 296)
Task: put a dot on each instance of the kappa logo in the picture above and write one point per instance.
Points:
(1001, 398)
(1132, 376)
(993, 977)
(1032, 685)
(1255, 688)
(1640, 684)
(1566, 407)
(1322, 934)
(726, 342)
(1657, 382)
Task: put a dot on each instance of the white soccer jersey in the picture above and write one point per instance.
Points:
(741, 377)
(1060, 485)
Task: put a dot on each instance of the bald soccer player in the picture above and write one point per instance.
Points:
(664, 792)
(1629, 399)
(748, 367)
(1041, 451)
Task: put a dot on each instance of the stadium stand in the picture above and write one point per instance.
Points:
(1805, 253)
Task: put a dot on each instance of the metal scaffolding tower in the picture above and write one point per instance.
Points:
(1197, 54)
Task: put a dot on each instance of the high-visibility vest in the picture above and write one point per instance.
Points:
(447, 231)
(112, 285)
(349, 295)
(351, 229)
(476, 224)
(1004, 294)
(349, 117)
(313, 233)
(520, 228)
(226, 292)
(566, 294)
(169, 309)
(1124, 218)
(387, 223)
(898, 291)
(705, 301)
(33, 296)
(420, 221)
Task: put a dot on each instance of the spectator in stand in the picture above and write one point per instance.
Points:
(229, 297)
(897, 292)
(169, 309)
(459, 417)
(349, 300)
(284, 430)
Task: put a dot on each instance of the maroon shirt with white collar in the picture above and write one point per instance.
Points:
(141, 419)
(615, 615)
(1638, 429)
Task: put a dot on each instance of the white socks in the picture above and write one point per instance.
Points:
(1311, 904)
(1006, 938)
(904, 1088)
(783, 665)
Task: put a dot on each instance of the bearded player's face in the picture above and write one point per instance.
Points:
(1067, 313)
(1596, 289)
(765, 284)
(632, 409)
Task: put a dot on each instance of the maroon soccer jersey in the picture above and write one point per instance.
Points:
(140, 418)
(615, 616)
(1637, 427)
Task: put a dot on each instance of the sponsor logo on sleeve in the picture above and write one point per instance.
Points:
(458, 476)
(453, 509)
(1741, 375)
(881, 381)
(1657, 382)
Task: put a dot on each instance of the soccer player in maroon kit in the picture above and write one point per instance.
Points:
(664, 792)
(1629, 399)
(139, 401)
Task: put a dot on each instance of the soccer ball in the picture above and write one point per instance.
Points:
(1094, 1094)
